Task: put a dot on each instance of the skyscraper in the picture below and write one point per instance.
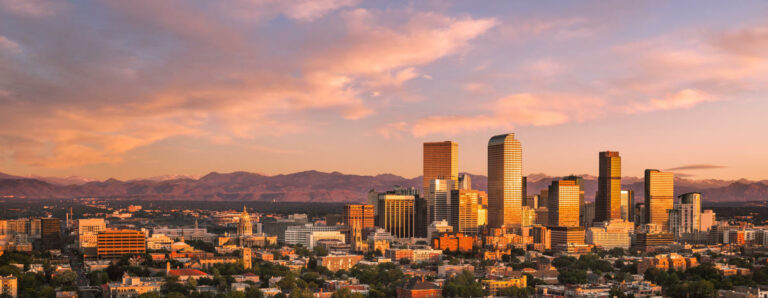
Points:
(564, 203)
(659, 197)
(685, 217)
(50, 233)
(465, 181)
(439, 199)
(397, 214)
(608, 200)
(441, 161)
(628, 204)
(464, 205)
(580, 182)
(505, 179)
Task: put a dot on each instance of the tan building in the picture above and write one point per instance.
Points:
(505, 181)
(87, 231)
(608, 199)
(493, 286)
(116, 243)
(441, 161)
(563, 203)
(659, 197)
(397, 216)
(339, 262)
(464, 213)
(9, 285)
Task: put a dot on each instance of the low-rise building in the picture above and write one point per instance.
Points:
(339, 262)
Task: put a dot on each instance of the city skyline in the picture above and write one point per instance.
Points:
(147, 88)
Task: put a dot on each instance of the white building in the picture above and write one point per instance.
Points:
(438, 227)
(300, 234)
(439, 199)
(707, 220)
(685, 216)
(159, 242)
(315, 236)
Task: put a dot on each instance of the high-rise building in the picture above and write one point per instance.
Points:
(659, 197)
(685, 216)
(580, 182)
(439, 199)
(627, 204)
(441, 161)
(528, 216)
(116, 243)
(358, 216)
(505, 179)
(245, 226)
(608, 199)
(564, 203)
(50, 233)
(589, 214)
(464, 205)
(397, 214)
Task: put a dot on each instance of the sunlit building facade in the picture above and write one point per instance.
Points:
(464, 205)
(116, 243)
(441, 161)
(564, 203)
(659, 197)
(505, 178)
(396, 215)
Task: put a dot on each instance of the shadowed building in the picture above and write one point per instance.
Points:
(608, 200)
(505, 178)
(659, 197)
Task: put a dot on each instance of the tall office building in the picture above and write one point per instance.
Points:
(685, 216)
(50, 233)
(397, 214)
(628, 204)
(116, 243)
(439, 199)
(608, 200)
(564, 203)
(659, 197)
(358, 216)
(505, 179)
(580, 182)
(464, 205)
(441, 161)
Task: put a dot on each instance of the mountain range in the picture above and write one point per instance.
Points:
(314, 186)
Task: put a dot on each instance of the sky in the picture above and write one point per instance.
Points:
(142, 88)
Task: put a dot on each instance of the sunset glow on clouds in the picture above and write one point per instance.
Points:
(143, 88)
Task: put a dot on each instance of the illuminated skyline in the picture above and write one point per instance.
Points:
(134, 89)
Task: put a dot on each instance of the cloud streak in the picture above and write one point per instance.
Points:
(696, 167)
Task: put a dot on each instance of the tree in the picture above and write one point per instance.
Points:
(463, 285)
(320, 251)
(64, 278)
(302, 293)
(150, 295)
(572, 276)
(515, 292)
(287, 283)
(346, 293)
(563, 262)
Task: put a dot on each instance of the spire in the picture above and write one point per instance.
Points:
(195, 225)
